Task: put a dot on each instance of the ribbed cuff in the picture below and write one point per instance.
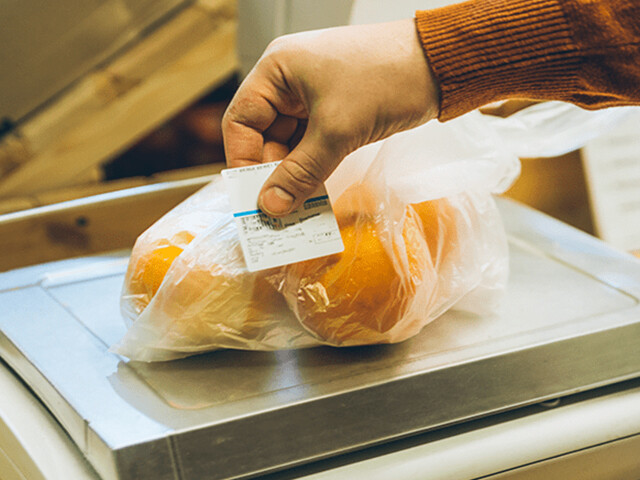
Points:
(482, 51)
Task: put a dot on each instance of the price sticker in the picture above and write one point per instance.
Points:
(309, 232)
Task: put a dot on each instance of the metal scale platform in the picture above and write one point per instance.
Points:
(570, 322)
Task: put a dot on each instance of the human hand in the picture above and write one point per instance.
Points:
(315, 97)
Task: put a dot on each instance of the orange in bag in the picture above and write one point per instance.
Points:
(363, 294)
(183, 303)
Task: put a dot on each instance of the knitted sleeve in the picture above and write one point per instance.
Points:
(585, 52)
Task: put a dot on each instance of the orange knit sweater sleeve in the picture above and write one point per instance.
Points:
(585, 52)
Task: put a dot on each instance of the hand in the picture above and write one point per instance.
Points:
(317, 96)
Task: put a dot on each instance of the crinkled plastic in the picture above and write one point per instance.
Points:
(187, 289)
(421, 233)
(421, 230)
(548, 129)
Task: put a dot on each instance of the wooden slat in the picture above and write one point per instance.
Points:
(49, 197)
(112, 108)
(89, 225)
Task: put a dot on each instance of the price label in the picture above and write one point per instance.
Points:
(309, 232)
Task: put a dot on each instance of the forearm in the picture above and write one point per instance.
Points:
(581, 51)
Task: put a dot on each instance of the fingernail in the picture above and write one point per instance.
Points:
(276, 201)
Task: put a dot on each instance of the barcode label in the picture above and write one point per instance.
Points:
(267, 242)
(316, 202)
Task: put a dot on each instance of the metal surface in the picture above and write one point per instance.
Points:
(32, 444)
(570, 322)
(593, 435)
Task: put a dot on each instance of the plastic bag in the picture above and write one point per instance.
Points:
(548, 129)
(187, 289)
(421, 234)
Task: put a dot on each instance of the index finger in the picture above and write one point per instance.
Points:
(249, 114)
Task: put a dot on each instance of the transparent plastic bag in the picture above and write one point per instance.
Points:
(187, 289)
(421, 231)
(548, 129)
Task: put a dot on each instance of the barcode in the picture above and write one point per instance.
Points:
(256, 223)
(315, 203)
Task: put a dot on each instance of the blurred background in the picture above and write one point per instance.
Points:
(110, 115)
(112, 94)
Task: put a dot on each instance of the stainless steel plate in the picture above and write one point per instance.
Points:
(570, 322)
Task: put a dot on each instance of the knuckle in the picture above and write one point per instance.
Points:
(226, 120)
(232, 111)
(303, 174)
(273, 46)
(241, 111)
(279, 43)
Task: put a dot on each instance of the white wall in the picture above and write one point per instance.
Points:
(260, 21)
(375, 11)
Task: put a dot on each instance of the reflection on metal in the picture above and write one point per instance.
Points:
(570, 322)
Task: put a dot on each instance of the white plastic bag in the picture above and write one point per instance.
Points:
(548, 129)
(421, 234)
(187, 289)
(421, 231)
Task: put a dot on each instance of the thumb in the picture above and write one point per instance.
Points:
(297, 177)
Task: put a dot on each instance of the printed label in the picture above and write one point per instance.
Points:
(309, 232)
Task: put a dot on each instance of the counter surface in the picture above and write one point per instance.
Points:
(570, 322)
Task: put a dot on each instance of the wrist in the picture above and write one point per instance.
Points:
(412, 93)
(485, 51)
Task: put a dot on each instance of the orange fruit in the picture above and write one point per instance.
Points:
(438, 221)
(147, 268)
(155, 267)
(355, 297)
(218, 306)
(360, 295)
(208, 305)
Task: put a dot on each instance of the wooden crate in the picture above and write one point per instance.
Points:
(107, 111)
(556, 186)
(95, 224)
